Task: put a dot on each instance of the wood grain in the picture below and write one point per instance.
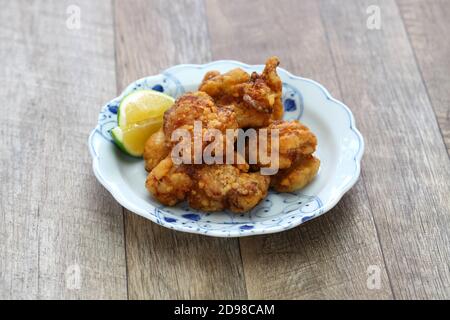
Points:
(151, 36)
(328, 257)
(427, 24)
(407, 169)
(56, 221)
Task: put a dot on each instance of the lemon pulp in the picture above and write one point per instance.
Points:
(140, 114)
(141, 105)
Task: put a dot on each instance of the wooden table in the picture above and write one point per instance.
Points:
(62, 235)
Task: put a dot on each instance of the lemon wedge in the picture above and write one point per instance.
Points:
(140, 114)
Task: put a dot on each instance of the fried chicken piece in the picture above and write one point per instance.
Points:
(219, 187)
(294, 141)
(207, 187)
(197, 106)
(297, 176)
(168, 183)
(247, 117)
(256, 99)
(249, 190)
(212, 183)
(155, 150)
(228, 84)
(271, 78)
(198, 199)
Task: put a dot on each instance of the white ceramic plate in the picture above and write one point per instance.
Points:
(340, 148)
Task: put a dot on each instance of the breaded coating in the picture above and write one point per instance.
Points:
(219, 187)
(198, 199)
(271, 78)
(221, 85)
(250, 189)
(168, 183)
(295, 140)
(198, 106)
(155, 150)
(256, 99)
(297, 176)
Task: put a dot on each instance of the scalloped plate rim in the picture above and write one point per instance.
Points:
(326, 206)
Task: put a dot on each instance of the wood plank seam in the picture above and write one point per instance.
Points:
(38, 285)
(240, 242)
(419, 69)
(315, 260)
(162, 263)
(50, 219)
(361, 178)
(125, 253)
(416, 259)
(113, 12)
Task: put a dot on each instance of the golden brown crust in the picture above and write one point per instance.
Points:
(168, 183)
(218, 187)
(250, 189)
(294, 141)
(256, 99)
(155, 150)
(197, 106)
(228, 84)
(272, 79)
(297, 176)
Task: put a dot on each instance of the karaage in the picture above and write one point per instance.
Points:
(294, 141)
(155, 149)
(256, 99)
(297, 176)
(219, 187)
(198, 107)
(231, 100)
(168, 183)
(207, 187)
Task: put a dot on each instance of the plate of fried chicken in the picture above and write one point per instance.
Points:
(244, 150)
